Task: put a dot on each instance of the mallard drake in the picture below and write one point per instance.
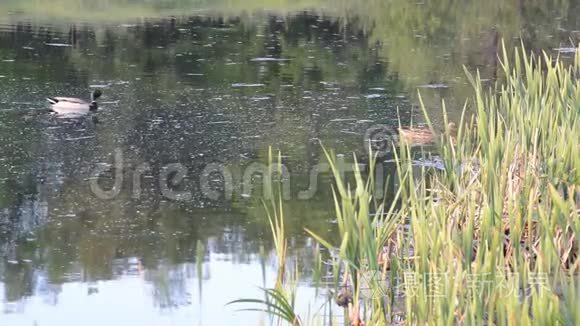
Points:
(423, 136)
(71, 105)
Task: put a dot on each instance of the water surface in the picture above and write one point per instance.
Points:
(209, 86)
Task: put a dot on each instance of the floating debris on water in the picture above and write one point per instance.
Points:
(566, 50)
(260, 98)
(343, 120)
(68, 215)
(433, 86)
(79, 138)
(61, 45)
(350, 132)
(268, 59)
(370, 96)
(247, 85)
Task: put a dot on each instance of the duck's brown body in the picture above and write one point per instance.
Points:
(417, 135)
(422, 136)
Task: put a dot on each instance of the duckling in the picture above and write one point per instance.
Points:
(423, 136)
(71, 105)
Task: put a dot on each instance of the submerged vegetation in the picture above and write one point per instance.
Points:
(491, 238)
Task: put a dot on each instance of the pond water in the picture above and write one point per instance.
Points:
(148, 211)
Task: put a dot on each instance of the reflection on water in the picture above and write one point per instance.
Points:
(207, 91)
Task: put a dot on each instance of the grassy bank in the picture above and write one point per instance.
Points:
(493, 238)
(122, 11)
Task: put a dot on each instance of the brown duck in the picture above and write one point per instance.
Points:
(423, 135)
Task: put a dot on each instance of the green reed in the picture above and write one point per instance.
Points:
(278, 302)
(490, 239)
(494, 235)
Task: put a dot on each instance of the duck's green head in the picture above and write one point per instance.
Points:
(96, 94)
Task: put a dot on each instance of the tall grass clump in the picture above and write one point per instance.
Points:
(490, 239)
(493, 238)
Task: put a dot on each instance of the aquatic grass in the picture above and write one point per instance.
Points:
(276, 220)
(278, 301)
(497, 219)
(495, 233)
(491, 239)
